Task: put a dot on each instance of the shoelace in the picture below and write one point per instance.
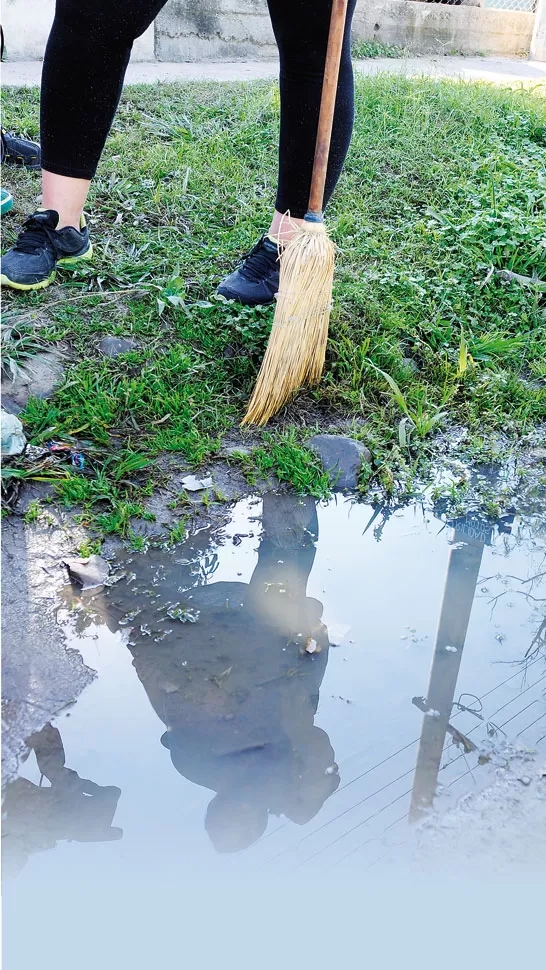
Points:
(34, 235)
(258, 263)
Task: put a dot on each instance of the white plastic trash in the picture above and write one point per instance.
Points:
(13, 439)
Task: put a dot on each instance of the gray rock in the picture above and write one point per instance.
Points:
(10, 405)
(411, 365)
(341, 457)
(114, 346)
(229, 450)
(39, 378)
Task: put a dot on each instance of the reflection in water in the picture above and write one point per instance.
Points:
(238, 692)
(462, 576)
(226, 668)
(36, 817)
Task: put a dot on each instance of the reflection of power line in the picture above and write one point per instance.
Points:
(529, 726)
(465, 774)
(504, 723)
(521, 712)
(415, 740)
(355, 827)
(401, 750)
(378, 765)
(361, 802)
(489, 720)
(402, 818)
(404, 775)
(385, 807)
(362, 845)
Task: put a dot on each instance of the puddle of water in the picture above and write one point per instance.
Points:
(285, 696)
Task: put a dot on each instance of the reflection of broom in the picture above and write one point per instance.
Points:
(297, 346)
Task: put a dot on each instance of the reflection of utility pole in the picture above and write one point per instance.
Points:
(462, 576)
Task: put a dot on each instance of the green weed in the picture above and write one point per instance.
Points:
(32, 514)
(89, 548)
(439, 311)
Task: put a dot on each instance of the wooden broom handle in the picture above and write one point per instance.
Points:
(328, 105)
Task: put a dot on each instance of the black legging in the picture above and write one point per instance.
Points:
(85, 61)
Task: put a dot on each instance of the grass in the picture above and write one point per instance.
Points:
(284, 456)
(362, 49)
(440, 307)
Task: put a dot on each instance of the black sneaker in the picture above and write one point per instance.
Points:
(19, 151)
(31, 263)
(256, 282)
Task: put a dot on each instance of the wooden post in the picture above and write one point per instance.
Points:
(462, 577)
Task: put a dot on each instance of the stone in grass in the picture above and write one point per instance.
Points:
(38, 378)
(228, 451)
(115, 346)
(341, 458)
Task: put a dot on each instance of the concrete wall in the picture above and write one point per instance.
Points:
(214, 30)
(197, 30)
(27, 24)
(438, 28)
(200, 30)
(538, 43)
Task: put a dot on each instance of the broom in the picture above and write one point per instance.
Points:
(296, 350)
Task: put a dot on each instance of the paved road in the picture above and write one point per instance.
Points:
(496, 70)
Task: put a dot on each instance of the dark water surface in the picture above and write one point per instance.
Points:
(283, 698)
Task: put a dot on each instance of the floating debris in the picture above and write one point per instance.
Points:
(89, 573)
(129, 617)
(183, 614)
(162, 637)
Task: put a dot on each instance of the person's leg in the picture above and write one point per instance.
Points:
(301, 29)
(86, 57)
(85, 61)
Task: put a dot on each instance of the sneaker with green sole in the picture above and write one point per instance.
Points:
(31, 264)
(6, 201)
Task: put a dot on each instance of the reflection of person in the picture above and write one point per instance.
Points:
(35, 818)
(238, 692)
(79, 101)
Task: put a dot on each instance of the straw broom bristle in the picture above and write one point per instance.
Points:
(297, 346)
